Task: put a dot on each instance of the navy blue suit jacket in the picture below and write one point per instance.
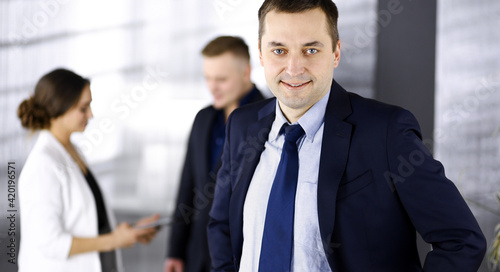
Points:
(377, 185)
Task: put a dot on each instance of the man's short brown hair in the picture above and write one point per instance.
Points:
(224, 44)
(296, 6)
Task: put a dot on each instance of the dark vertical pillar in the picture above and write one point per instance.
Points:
(405, 67)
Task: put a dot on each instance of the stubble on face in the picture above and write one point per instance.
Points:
(298, 59)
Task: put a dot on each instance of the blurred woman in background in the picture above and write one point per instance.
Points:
(66, 224)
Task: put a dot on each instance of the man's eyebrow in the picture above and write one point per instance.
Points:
(274, 44)
(315, 43)
(278, 44)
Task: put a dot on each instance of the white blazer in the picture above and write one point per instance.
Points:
(56, 204)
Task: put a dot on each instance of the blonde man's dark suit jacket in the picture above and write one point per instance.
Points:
(188, 238)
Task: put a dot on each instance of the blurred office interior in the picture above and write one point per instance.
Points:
(438, 59)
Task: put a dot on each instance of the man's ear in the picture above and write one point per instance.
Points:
(337, 54)
(248, 71)
(260, 53)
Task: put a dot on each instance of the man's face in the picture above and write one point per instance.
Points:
(298, 58)
(226, 77)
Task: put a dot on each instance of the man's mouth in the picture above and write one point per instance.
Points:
(295, 85)
(217, 96)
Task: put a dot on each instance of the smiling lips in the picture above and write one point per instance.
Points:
(295, 86)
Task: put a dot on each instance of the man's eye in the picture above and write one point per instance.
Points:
(312, 51)
(278, 51)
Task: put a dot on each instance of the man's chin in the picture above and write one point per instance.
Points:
(218, 106)
(293, 102)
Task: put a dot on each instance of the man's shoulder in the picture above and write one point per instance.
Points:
(362, 106)
(254, 110)
(205, 114)
(377, 114)
(207, 110)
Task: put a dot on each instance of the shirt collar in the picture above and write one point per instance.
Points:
(311, 121)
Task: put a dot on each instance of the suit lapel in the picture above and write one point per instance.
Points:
(333, 160)
(255, 138)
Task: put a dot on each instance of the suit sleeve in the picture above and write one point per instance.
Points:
(184, 211)
(219, 240)
(433, 203)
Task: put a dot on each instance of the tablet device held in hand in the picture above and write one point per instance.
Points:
(156, 224)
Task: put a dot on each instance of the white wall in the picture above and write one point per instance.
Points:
(143, 58)
(467, 127)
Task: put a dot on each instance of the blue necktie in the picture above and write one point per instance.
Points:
(277, 240)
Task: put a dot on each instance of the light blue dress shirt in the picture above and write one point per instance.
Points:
(308, 252)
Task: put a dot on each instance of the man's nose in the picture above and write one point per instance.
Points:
(212, 86)
(295, 65)
(90, 113)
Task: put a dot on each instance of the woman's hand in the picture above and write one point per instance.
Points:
(150, 233)
(124, 236)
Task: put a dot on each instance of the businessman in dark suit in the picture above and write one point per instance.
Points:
(226, 67)
(320, 179)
